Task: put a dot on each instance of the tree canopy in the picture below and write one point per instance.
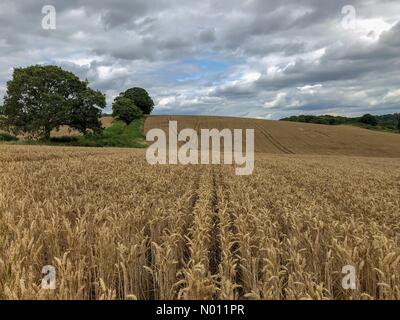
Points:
(126, 110)
(369, 119)
(141, 99)
(42, 98)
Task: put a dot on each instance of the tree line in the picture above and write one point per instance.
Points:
(40, 99)
(389, 122)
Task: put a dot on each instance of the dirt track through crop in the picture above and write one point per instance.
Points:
(274, 141)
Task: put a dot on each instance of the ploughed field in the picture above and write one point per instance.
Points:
(115, 227)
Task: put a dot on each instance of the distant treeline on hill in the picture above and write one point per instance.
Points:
(387, 122)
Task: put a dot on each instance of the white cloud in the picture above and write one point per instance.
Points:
(393, 96)
(310, 89)
(280, 100)
(228, 57)
(110, 72)
(250, 77)
(166, 102)
(371, 29)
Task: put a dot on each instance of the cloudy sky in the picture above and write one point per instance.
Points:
(251, 58)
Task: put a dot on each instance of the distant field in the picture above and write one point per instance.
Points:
(281, 137)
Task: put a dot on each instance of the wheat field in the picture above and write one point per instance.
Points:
(283, 137)
(115, 227)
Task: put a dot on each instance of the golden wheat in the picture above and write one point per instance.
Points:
(115, 227)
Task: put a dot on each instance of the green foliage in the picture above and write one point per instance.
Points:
(65, 139)
(387, 122)
(140, 98)
(325, 119)
(7, 137)
(368, 119)
(124, 109)
(42, 98)
(397, 117)
(117, 135)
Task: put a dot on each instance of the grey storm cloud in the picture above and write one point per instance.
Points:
(253, 58)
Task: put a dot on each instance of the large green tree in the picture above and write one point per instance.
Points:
(141, 99)
(369, 119)
(42, 98)
(125, 109)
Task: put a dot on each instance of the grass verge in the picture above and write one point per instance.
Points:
(117, 135)
(7, 137)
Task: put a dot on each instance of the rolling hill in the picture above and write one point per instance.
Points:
(286, 137)
(282, 137)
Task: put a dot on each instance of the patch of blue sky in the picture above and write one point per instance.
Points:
(204, 69)
(201, 69)
(208, 64)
